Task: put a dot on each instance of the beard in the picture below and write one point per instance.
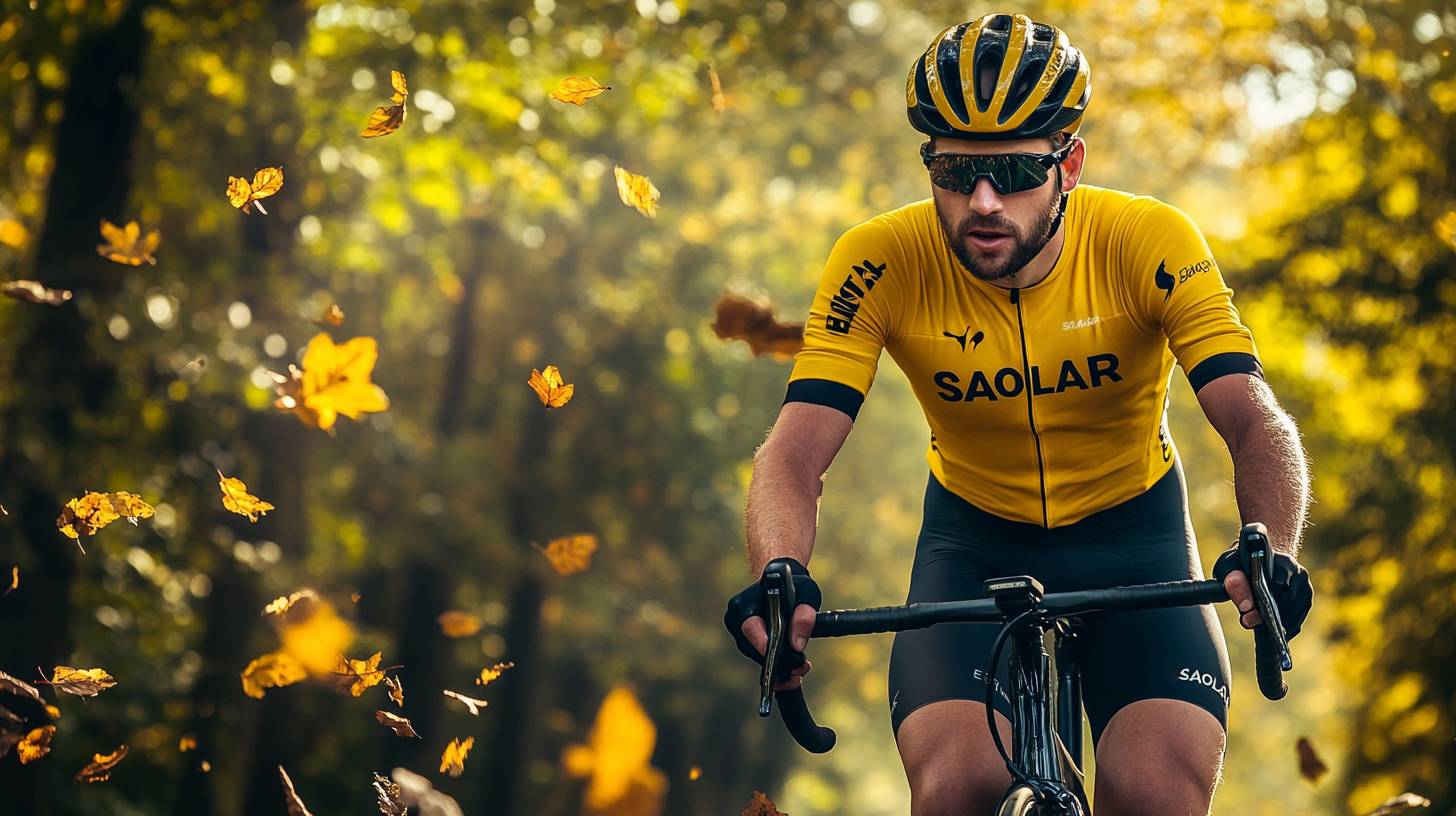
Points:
(1026, 244)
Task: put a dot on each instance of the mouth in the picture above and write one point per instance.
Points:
(987, 240)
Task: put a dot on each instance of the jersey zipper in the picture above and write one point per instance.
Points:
(1031, 417)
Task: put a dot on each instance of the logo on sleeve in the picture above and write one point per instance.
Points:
(975, 339)
(1163, 280)
(844, 304)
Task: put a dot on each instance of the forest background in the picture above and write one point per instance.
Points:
(1311, 140)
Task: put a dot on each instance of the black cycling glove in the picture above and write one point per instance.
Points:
(1288, 581)
(749, 603)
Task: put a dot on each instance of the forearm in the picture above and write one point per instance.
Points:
(783, 508)
(1271, 475)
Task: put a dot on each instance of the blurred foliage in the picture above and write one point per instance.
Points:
(1311, 139)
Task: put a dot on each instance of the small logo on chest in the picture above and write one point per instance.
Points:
(1084, 323)
(975, 339)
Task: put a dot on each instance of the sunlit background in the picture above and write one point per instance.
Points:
(1311, 140)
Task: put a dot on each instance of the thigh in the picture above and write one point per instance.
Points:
(950, 761)
(1158, 757)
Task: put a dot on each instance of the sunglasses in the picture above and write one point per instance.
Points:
(1008, 172)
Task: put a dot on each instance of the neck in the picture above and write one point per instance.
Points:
(1039, 267)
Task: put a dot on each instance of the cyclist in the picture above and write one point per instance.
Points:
(1038, 321)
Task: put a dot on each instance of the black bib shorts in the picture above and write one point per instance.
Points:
(1176, 654)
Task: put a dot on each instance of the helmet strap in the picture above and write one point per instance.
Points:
(1061, 205)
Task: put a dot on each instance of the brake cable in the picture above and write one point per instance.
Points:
(1017, 774)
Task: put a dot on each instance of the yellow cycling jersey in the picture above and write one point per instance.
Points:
(1046, 403)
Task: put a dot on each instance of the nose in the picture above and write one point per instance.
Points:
(984, 199)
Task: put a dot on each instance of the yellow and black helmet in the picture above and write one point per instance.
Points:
(1003, 76)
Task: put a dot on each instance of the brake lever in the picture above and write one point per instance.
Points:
(1264, 599)
(778, 595)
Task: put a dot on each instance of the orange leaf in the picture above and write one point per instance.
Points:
(458, 624)
(453, 760)
(36, 744)
(272, 670)
(93, 511)
(576, 90)
(332, 316)
(34, 292)
(187, 743)
(99, 769)
(493, 673)
(127, 245)
(761, 805)
(386, 119)
(637, 192)
(354, 676)
(550, 388)
(569, 554)
(245, 196)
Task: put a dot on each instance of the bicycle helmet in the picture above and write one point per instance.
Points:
(1003, 76)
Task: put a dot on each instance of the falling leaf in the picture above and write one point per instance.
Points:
(396, 690)
(14, 579)
(93, 511)
(295, 805)
(458, 624)
(739, 318)
(335, 379)
(99, 769)
(416, 791)
(720, 102)
(54, 712)
(493, 673)
(354, 676)
(354, 598)
(187, 743)
(1400, 804)
(236, 498)
(1311, 767)
(389, 794)
(332, 316)
(637, 191)
(453, 760)
(272, 670)
(246, 196)
(569, 554)
(3, 511)
(576, 90)
(470, 702)
(550, 388)
(617, 756)
(294, 607)
(80, 682)
(20, 688)
(127, 245)
(1446, 228)
(194, 367)
(205, 766)
(36, 744)
(13, 234)
(761, 805)
(386, 119)
(317, 639)
(34, 292)
(694, 773)
(399, 725)
(12, 730)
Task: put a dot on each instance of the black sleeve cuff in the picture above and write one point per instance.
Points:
(1230, 362)
(828, 393)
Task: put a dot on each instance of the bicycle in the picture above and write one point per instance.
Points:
(1046, 757)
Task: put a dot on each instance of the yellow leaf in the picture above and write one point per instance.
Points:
(36, 744)
(453, 760)
(354, 676)
(335, 380)
(93, 511)
(245, 196)
(458, 624)
(127, 245)
(295, 805)
(470, 702)
(761, 805)
(272, 670)
(493, 673)
(315, 636)
(34, 292)
(720, 102)
(81, 682)
(694, 773)
(569, 554)
(576, 90)
(236, 498)
(1446, 228)
(386, 119)
(396, 690)
(618, 754)
(99, 769)
(550, 388)
(187, 743)
(637, 191)
(399, 725)
(13, 233)
(294, 607)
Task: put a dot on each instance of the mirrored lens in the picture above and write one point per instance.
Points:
(1007, 172)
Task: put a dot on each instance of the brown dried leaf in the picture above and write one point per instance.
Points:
(12, 730)
(99, 769)
(80, 682)
(1400, 804)
(720, 102)
(20, 688)
(36, 744)
(295, 805)
(389, 794)
(354, 676)
(34, 292)
(739, 318)
(453, 760)
(332, 316)
(399, 725)
(416, 791)
(458, 624)
(1311, 767)
(396, 690)
(761, 805)
(470, 702)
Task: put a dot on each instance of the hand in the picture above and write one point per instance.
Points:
(1289, 583)
(745, 622)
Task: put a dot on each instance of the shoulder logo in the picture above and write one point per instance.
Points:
(844, 304)
(975, 339)
(1163, 280)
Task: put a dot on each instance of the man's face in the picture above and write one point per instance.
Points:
(995, 235)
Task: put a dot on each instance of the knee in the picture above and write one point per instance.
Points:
(955, 791)
(1177, 789)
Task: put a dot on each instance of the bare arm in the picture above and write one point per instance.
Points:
(1271, 476)
(788, 473)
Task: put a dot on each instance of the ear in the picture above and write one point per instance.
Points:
(1072, 165)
